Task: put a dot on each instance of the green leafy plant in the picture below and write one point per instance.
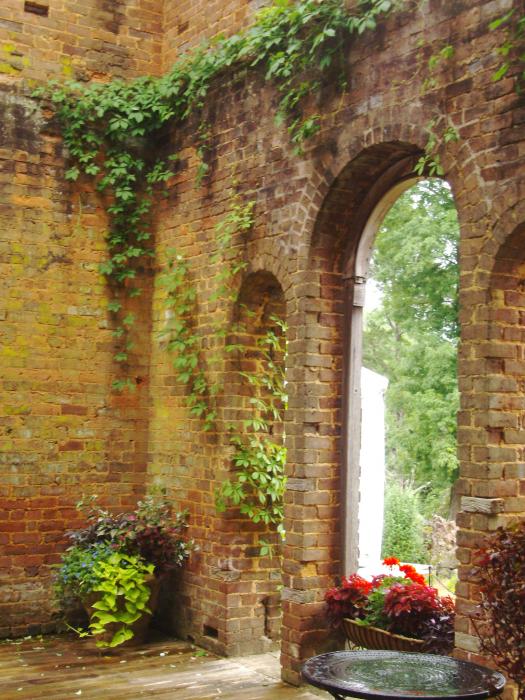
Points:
(445, 53)
(76, 575)
(513, 48)
(113, 558)
(403, 527)
(122, 596)
(258, 459)
(182, 342)
(258, 482)
(429, 163)
(151, 531)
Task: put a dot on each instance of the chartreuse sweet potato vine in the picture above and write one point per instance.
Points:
(109, 129)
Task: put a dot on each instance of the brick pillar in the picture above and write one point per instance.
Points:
(491, 437)
(311, 552)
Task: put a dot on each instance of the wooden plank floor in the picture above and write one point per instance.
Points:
(63, 667)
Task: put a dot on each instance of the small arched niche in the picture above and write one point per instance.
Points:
(255, 420)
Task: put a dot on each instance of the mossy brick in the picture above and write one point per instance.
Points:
(305, 229)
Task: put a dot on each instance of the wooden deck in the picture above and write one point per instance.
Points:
(56, 668)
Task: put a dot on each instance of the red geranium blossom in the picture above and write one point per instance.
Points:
(412, 574)
(390, 561)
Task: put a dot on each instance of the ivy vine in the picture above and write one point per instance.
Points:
(513, 47)
(258, 482)
(181, 341)
(109, 128)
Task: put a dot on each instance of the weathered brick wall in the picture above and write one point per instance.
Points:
(80, 39)
(62, 431)
(310, 212)
(187, 24)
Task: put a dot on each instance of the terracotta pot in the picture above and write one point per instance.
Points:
(375, 638)
(139, 627)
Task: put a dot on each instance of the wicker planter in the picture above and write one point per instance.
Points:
(375, 638)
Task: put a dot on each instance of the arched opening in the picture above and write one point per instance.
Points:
(343, 236)
(409, 355)
(251, 491)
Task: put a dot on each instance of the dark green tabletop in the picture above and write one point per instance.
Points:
(400, 676)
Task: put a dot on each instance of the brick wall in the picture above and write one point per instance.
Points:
(187, 23)
(63, 431)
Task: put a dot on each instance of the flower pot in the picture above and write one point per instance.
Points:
(139, 627)
(375, 638)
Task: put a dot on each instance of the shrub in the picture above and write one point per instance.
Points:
(501, 622)
(150, 532)
(112, 559)
(403, 526)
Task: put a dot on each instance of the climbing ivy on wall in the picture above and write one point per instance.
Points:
(258, 480)
(182, 342)
(513, 47)
(109, 128)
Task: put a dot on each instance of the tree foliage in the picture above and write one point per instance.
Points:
(411, 337)
(403, 525)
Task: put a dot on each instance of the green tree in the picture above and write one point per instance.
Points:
(403, 528)
(411, 338)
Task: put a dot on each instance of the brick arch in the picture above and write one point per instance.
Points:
(255, 622)
(266, 258)
(316, 351)
(351, 161)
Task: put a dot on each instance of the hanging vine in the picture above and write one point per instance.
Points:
(109, 128)
(258, 481)
(181, 341)
(513, 47)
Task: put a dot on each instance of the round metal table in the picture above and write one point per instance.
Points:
(393, 675)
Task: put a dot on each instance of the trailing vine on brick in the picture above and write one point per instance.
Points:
(429, 164)
(439, 131)
(258, 481)
(513, 47)
(109, 129)
(181, 341)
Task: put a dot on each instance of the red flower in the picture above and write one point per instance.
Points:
(412, 574)
(391, 561)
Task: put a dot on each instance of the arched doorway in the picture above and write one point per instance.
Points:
(410, 352)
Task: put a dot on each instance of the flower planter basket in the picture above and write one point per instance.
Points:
(375, 638)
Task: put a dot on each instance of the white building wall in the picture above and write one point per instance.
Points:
(372, 462)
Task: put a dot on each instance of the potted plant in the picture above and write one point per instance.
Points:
(500, 623)
(392, 611)
(115, 563)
